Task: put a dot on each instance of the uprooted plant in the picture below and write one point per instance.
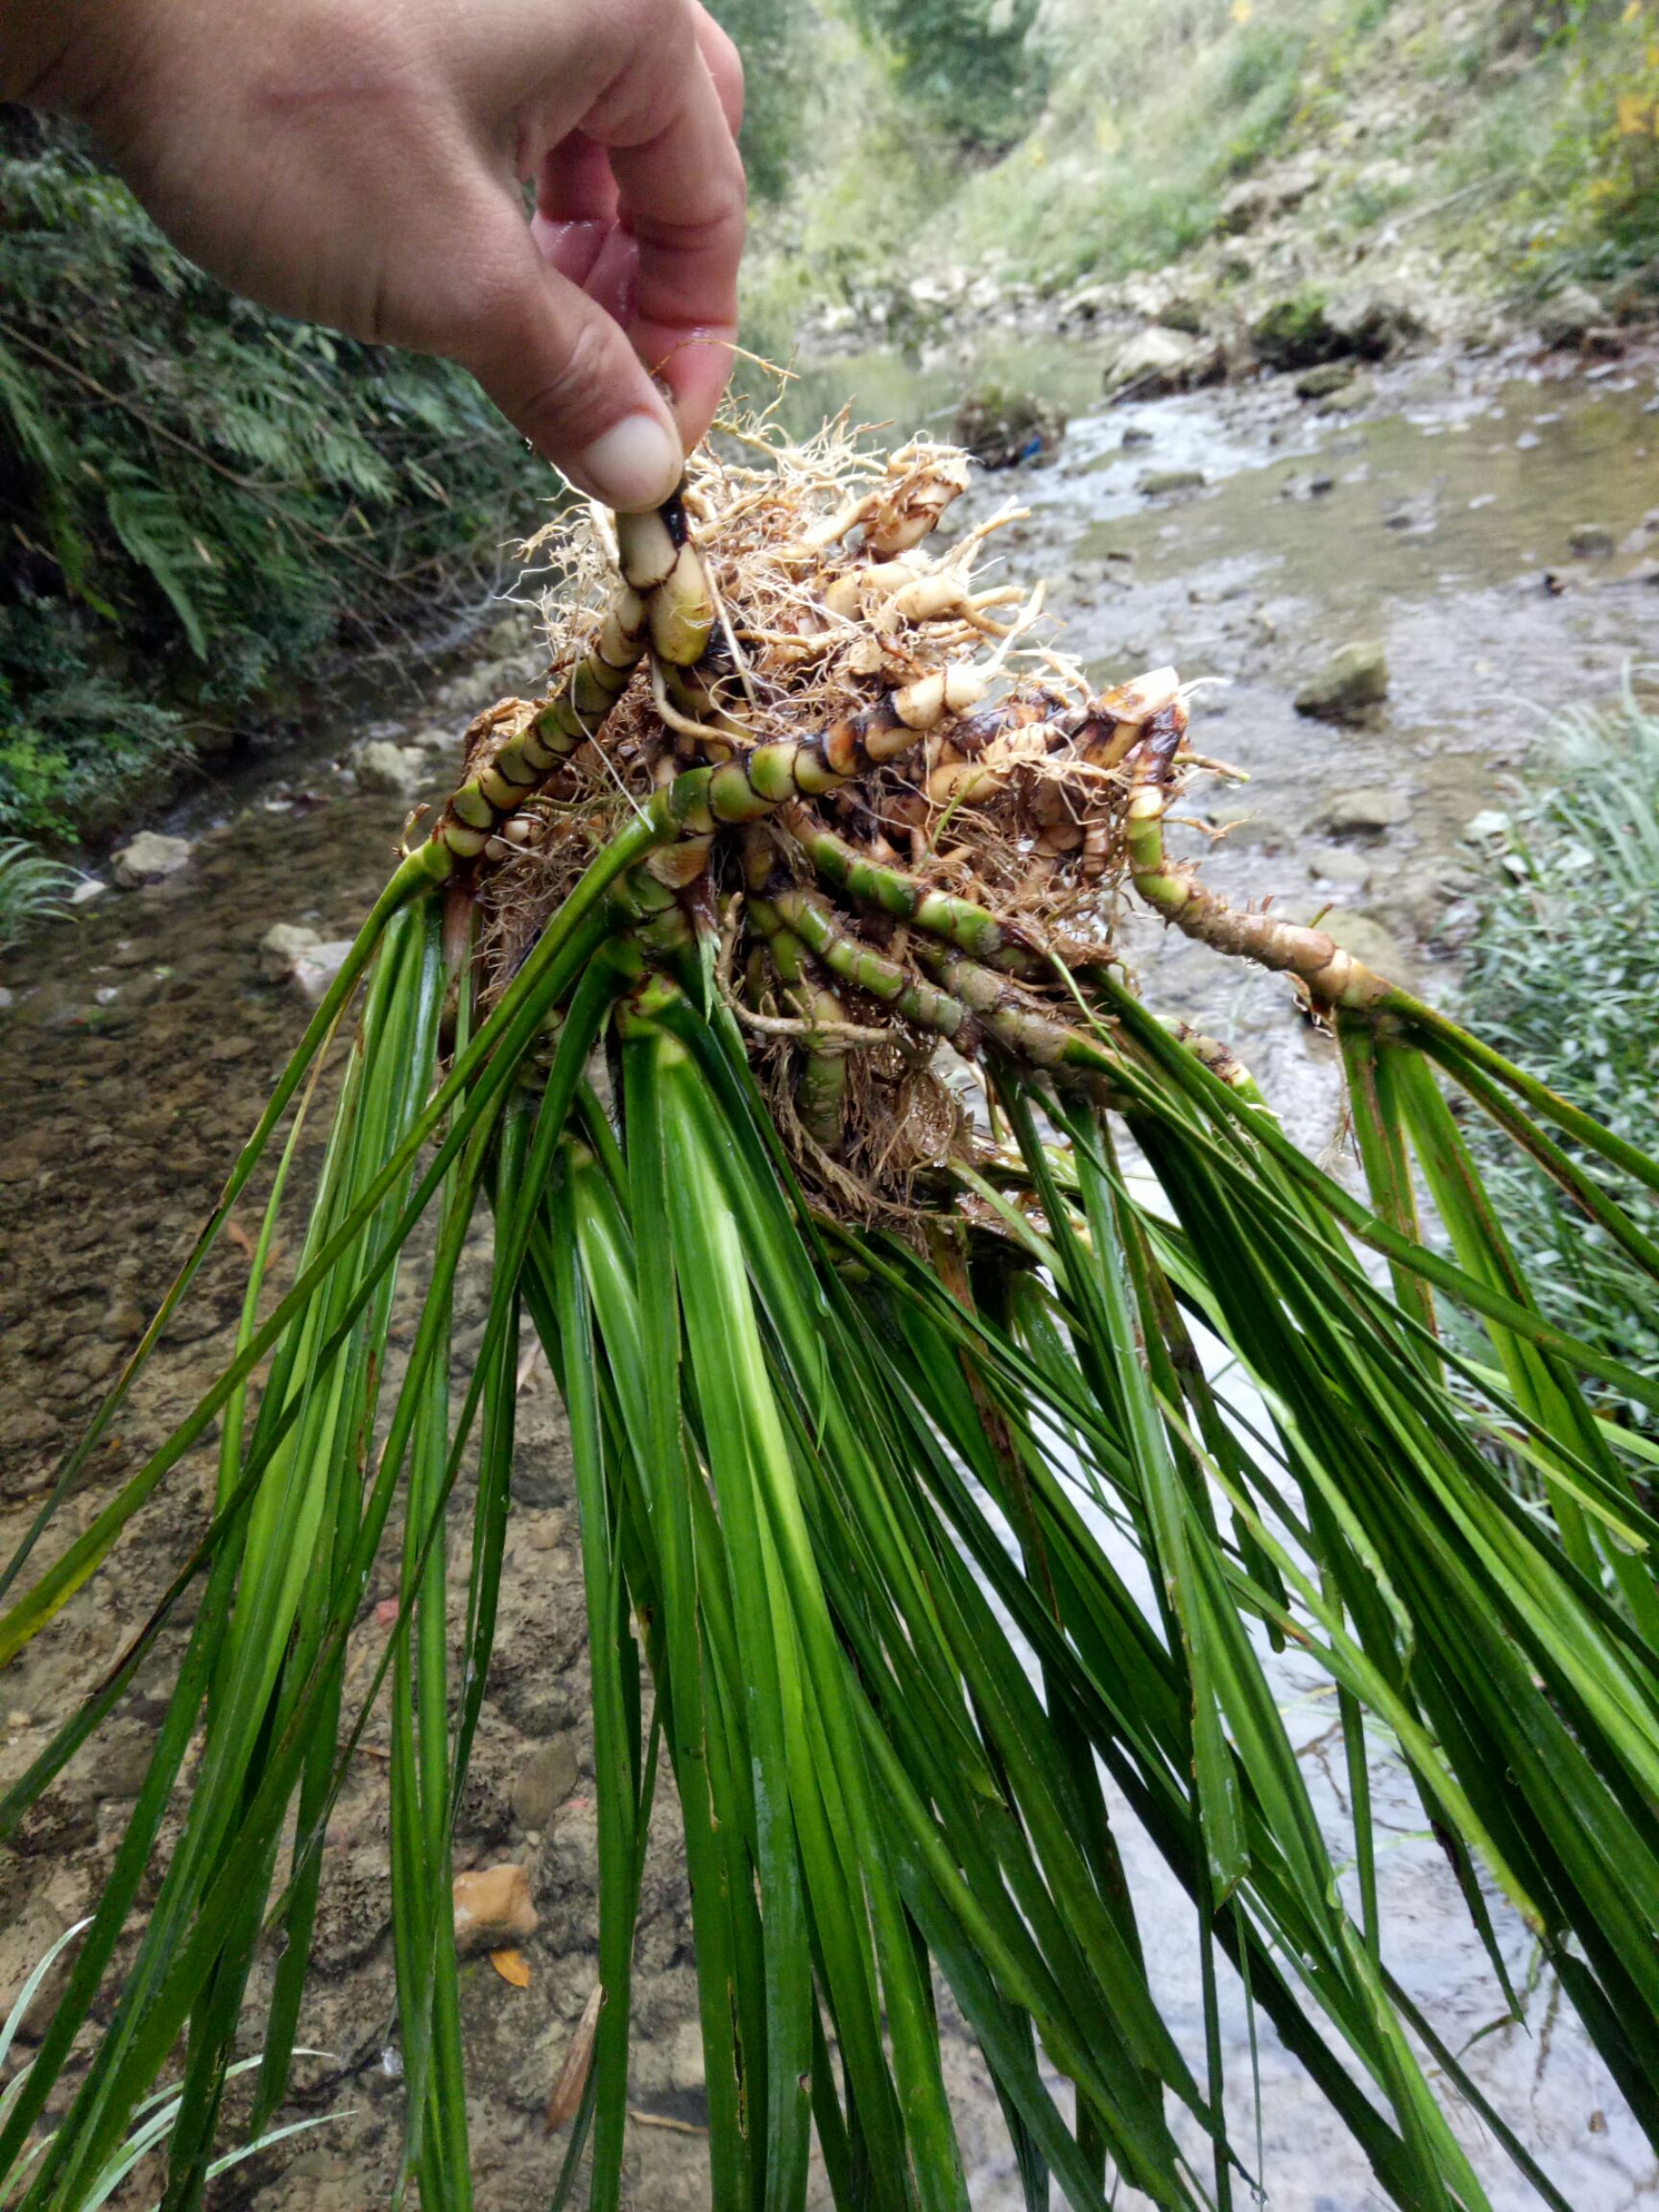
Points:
(761, 979)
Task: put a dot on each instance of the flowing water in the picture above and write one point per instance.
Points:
(137, 1044)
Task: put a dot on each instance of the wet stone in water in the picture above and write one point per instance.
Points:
(398, 771)
(1591, 541)
(1353, 681)
(545, 1781)
(493, 1907)
(1365, 813)
(1157, 483)
(149, 859)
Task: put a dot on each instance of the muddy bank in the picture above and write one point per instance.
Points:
(1235, 531)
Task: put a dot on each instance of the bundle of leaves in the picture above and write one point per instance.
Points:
(199, 498)
(916, 1534)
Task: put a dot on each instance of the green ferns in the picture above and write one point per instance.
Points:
(31, 888)
(198, 498)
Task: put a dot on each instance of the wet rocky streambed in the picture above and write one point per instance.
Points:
(1485, 532)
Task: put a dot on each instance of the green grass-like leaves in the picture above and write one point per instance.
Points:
(855, 1525)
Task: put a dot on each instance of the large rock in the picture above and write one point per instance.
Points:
(1353, 393)
(149, 859)
(493, 1907)
(1328, 378)
(1591, 541)
(1351, 682)
(437, 738)
(512, 635)
(398, 771)
(316, 966)
(1308, 328)
(282, 949)
(1571, 318)
(1243, 826)
(545, 1782)
(1296, 332)
(1159, 360)
(1157, 483)
(1002, 425)
(1088, 302)
(1373, 321)
(1335, 864)
(1366, 812)
(1259, 199)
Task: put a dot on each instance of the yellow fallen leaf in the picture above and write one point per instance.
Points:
(1634, 114)
(1632, 12)
(1242, 13)
(511, 1967)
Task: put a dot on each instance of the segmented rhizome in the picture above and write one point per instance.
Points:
(887, 816)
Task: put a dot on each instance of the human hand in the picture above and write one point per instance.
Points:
(362, 163)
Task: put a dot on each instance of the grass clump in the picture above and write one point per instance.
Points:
(1294, 333)
(31, 889)
(1559, 977)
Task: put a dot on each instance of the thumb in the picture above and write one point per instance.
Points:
(562, 371)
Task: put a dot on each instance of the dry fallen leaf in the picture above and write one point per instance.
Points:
(511, 1967)
(572, 2079)
(665, 2119)
(239, 1236)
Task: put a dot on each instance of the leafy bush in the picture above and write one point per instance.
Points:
(970, 66)
(1560, 977)
(773, 37)
(1596, 194)
(197, 497)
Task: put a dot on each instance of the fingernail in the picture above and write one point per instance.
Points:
(634, 465)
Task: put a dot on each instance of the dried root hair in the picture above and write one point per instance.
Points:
(889, 735)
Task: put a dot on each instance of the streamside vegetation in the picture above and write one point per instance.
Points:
(197, 497)
(1492, 154)
(31, 889)
(1555, 978)
(153, 2121)
(760, 981)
